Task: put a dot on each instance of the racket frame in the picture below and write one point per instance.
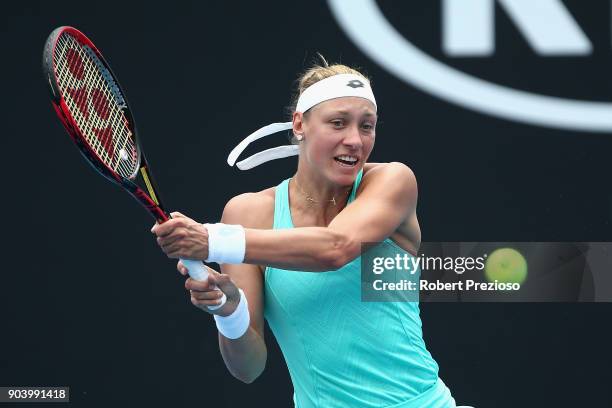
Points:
(152, 200)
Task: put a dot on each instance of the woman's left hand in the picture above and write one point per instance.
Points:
(182, 237)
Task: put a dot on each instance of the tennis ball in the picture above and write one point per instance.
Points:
(506, 265)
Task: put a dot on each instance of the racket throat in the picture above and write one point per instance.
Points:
(147, 179)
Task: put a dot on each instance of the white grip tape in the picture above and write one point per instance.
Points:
(199, 272)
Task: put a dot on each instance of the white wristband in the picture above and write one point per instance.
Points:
(226, 243)
(236, 324)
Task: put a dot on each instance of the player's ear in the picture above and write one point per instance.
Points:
(298, 123)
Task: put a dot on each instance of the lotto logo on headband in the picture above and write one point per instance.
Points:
(355, 83)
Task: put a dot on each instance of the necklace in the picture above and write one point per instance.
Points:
(312, 200)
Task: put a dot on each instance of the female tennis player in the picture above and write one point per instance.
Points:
(291, 254)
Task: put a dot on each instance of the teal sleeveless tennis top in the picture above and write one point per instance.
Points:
(340, 351)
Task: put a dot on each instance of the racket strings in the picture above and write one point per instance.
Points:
(103, 140)
(77, 102)
(94, 107)
(104, 135)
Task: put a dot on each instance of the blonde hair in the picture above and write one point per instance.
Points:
(317, 72)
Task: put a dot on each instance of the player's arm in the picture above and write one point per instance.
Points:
(387, 199)
(245, 357)
(388, 196)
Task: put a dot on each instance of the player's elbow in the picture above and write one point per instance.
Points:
(342, 250)
(249, 376)
(246, 379)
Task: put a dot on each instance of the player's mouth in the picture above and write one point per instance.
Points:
(346, 160)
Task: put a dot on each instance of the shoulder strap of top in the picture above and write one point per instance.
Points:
(282, 214)
(355, 186)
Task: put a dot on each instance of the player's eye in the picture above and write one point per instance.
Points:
(337, 123)
(368, 126)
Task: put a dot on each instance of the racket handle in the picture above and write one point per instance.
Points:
(199, 272)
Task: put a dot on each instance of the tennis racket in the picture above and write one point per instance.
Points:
(94, 110)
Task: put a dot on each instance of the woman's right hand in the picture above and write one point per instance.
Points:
(209, 293)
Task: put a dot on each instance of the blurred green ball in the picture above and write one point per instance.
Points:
(506, 265)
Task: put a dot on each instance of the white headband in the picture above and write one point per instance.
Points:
(336, 86)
